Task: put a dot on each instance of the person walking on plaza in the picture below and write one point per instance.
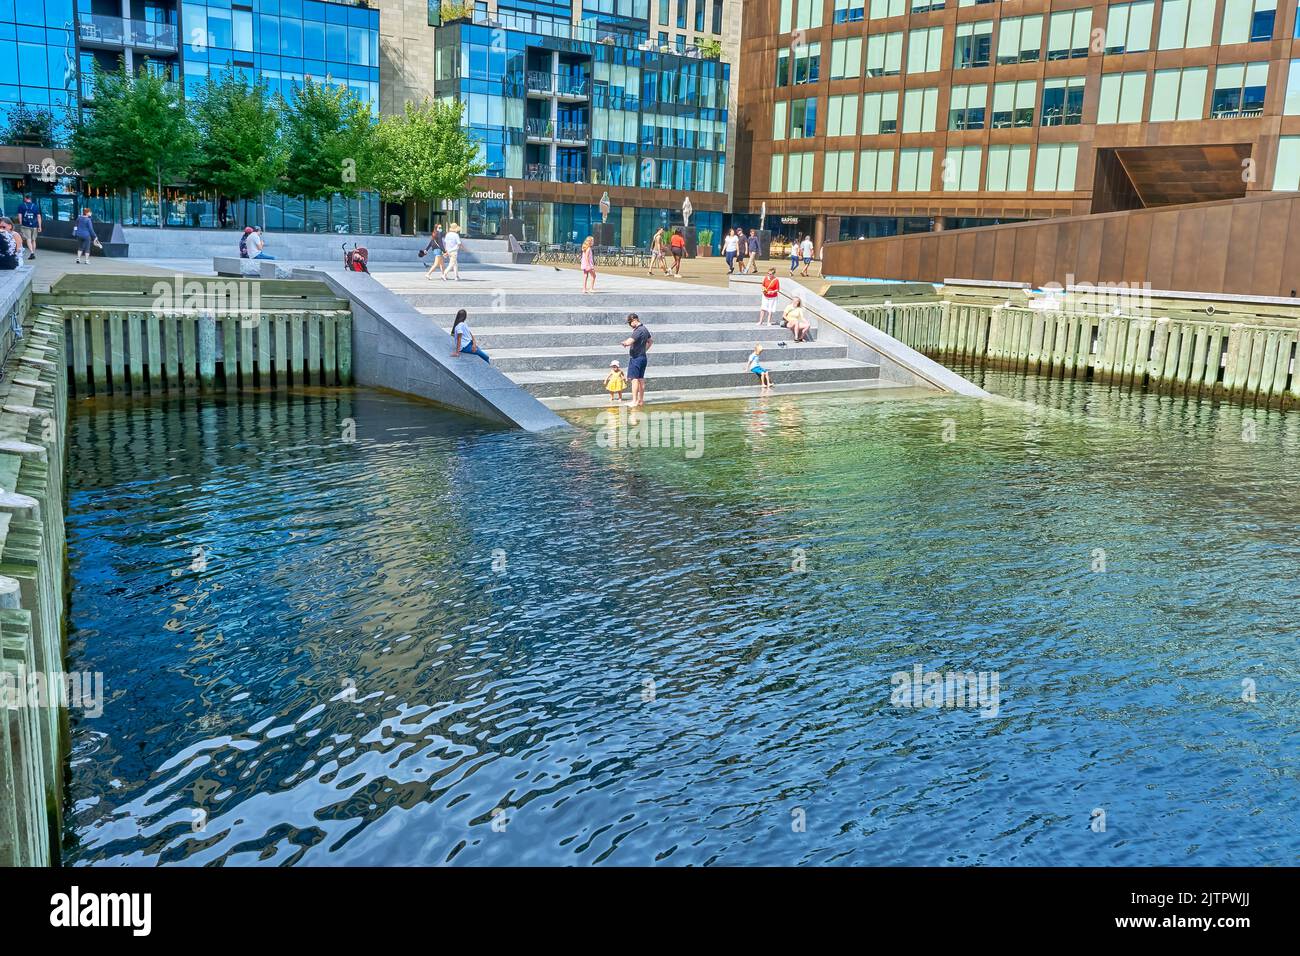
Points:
(794, 254)
(677, 245)
(796, 320)
(462, 338)
(771, 290)
(657, 252)
(751, 259)
(806, 250)
(452, 244)
(29, 224)
(439, 251)
(84, 232)
(223, 211)
(637, 345)
(11, 245)
(755, 365)
(588, 262)
(730, 247)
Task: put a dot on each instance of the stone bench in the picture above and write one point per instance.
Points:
(235, 266)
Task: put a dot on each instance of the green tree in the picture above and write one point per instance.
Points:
(136, 134)
(424, 154)
(328, 136)
(238, 152)
(34, 126)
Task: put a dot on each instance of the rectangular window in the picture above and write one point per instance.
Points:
(885, 54)
(1239, 90)
(1247, 21)
(1178, 94)
(1185, 24)
(914, 169)
(1055, 167)
(1008, 169)
(777, 181)
(925, 6)
(960, 171)
(803, 117)
(974, 45)
(919, 110)
(1286, 174)
(1013, 104)
(849, 11)
(808, 63)
(886, 8)
(1062, 101)
(1291, 107)
(846, 58)
(800, 177)
(966, 107)
(782, 67)
(876, 170)
(780, 119)
(880, 113)
(1068, 34)
(837, 176)
(1020, 39)
(808, 14)
(924, 49)
(1128, 27)
(1122, 97)
(842, 115)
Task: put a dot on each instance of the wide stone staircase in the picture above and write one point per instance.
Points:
(558, 345)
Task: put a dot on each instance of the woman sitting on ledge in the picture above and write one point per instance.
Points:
(796, 320)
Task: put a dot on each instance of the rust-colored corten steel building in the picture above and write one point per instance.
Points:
(879, 119)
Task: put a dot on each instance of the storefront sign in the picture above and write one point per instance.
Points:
(49, 170)
(487, 194)
(790, 220)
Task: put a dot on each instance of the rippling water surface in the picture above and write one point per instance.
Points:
(442, 642)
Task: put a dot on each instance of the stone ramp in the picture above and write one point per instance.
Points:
(545, 335)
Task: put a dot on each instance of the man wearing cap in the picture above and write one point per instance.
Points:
(637, 345)
(11, 245)
(30, 223)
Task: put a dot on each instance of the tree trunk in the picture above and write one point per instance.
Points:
(262, 204)
(160, 199)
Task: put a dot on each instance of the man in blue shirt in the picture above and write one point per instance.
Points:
(29, 223)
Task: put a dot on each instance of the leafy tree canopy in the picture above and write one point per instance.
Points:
(238, 151)
(328, 135)
(423, 153)
(35, 126)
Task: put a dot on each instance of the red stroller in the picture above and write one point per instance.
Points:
(356, 259)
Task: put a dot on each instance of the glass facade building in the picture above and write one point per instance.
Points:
(593, 104)
(61, 42)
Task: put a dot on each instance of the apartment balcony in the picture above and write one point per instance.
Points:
(544, 173)
(562, 85)
(548, 131)
(1249, 113)
(117, 33)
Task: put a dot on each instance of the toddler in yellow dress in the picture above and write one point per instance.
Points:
(615, 381)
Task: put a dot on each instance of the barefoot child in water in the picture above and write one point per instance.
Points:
(756, 366)
(615, 381)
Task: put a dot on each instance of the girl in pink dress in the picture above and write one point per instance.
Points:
(588, 265)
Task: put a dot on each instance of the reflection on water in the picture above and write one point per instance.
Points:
(445, 642)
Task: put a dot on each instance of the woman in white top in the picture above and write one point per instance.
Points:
(462, 338)
(730, 247)
(452, 243)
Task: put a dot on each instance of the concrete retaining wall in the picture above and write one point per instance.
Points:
(898, 362)
(33, 703)
(396, 347)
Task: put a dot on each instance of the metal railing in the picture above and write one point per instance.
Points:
(117, 31)
(545, 173)
(1238, 114)
(548, 129)
(562, 84)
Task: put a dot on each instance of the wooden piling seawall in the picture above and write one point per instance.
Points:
(1182, 348)
(132, 335)
(33, 701)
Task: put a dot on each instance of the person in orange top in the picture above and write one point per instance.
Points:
(677, 245)
(771, 289)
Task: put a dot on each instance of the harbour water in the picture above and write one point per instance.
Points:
(345, 628)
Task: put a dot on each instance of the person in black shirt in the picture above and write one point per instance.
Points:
(637, 344)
